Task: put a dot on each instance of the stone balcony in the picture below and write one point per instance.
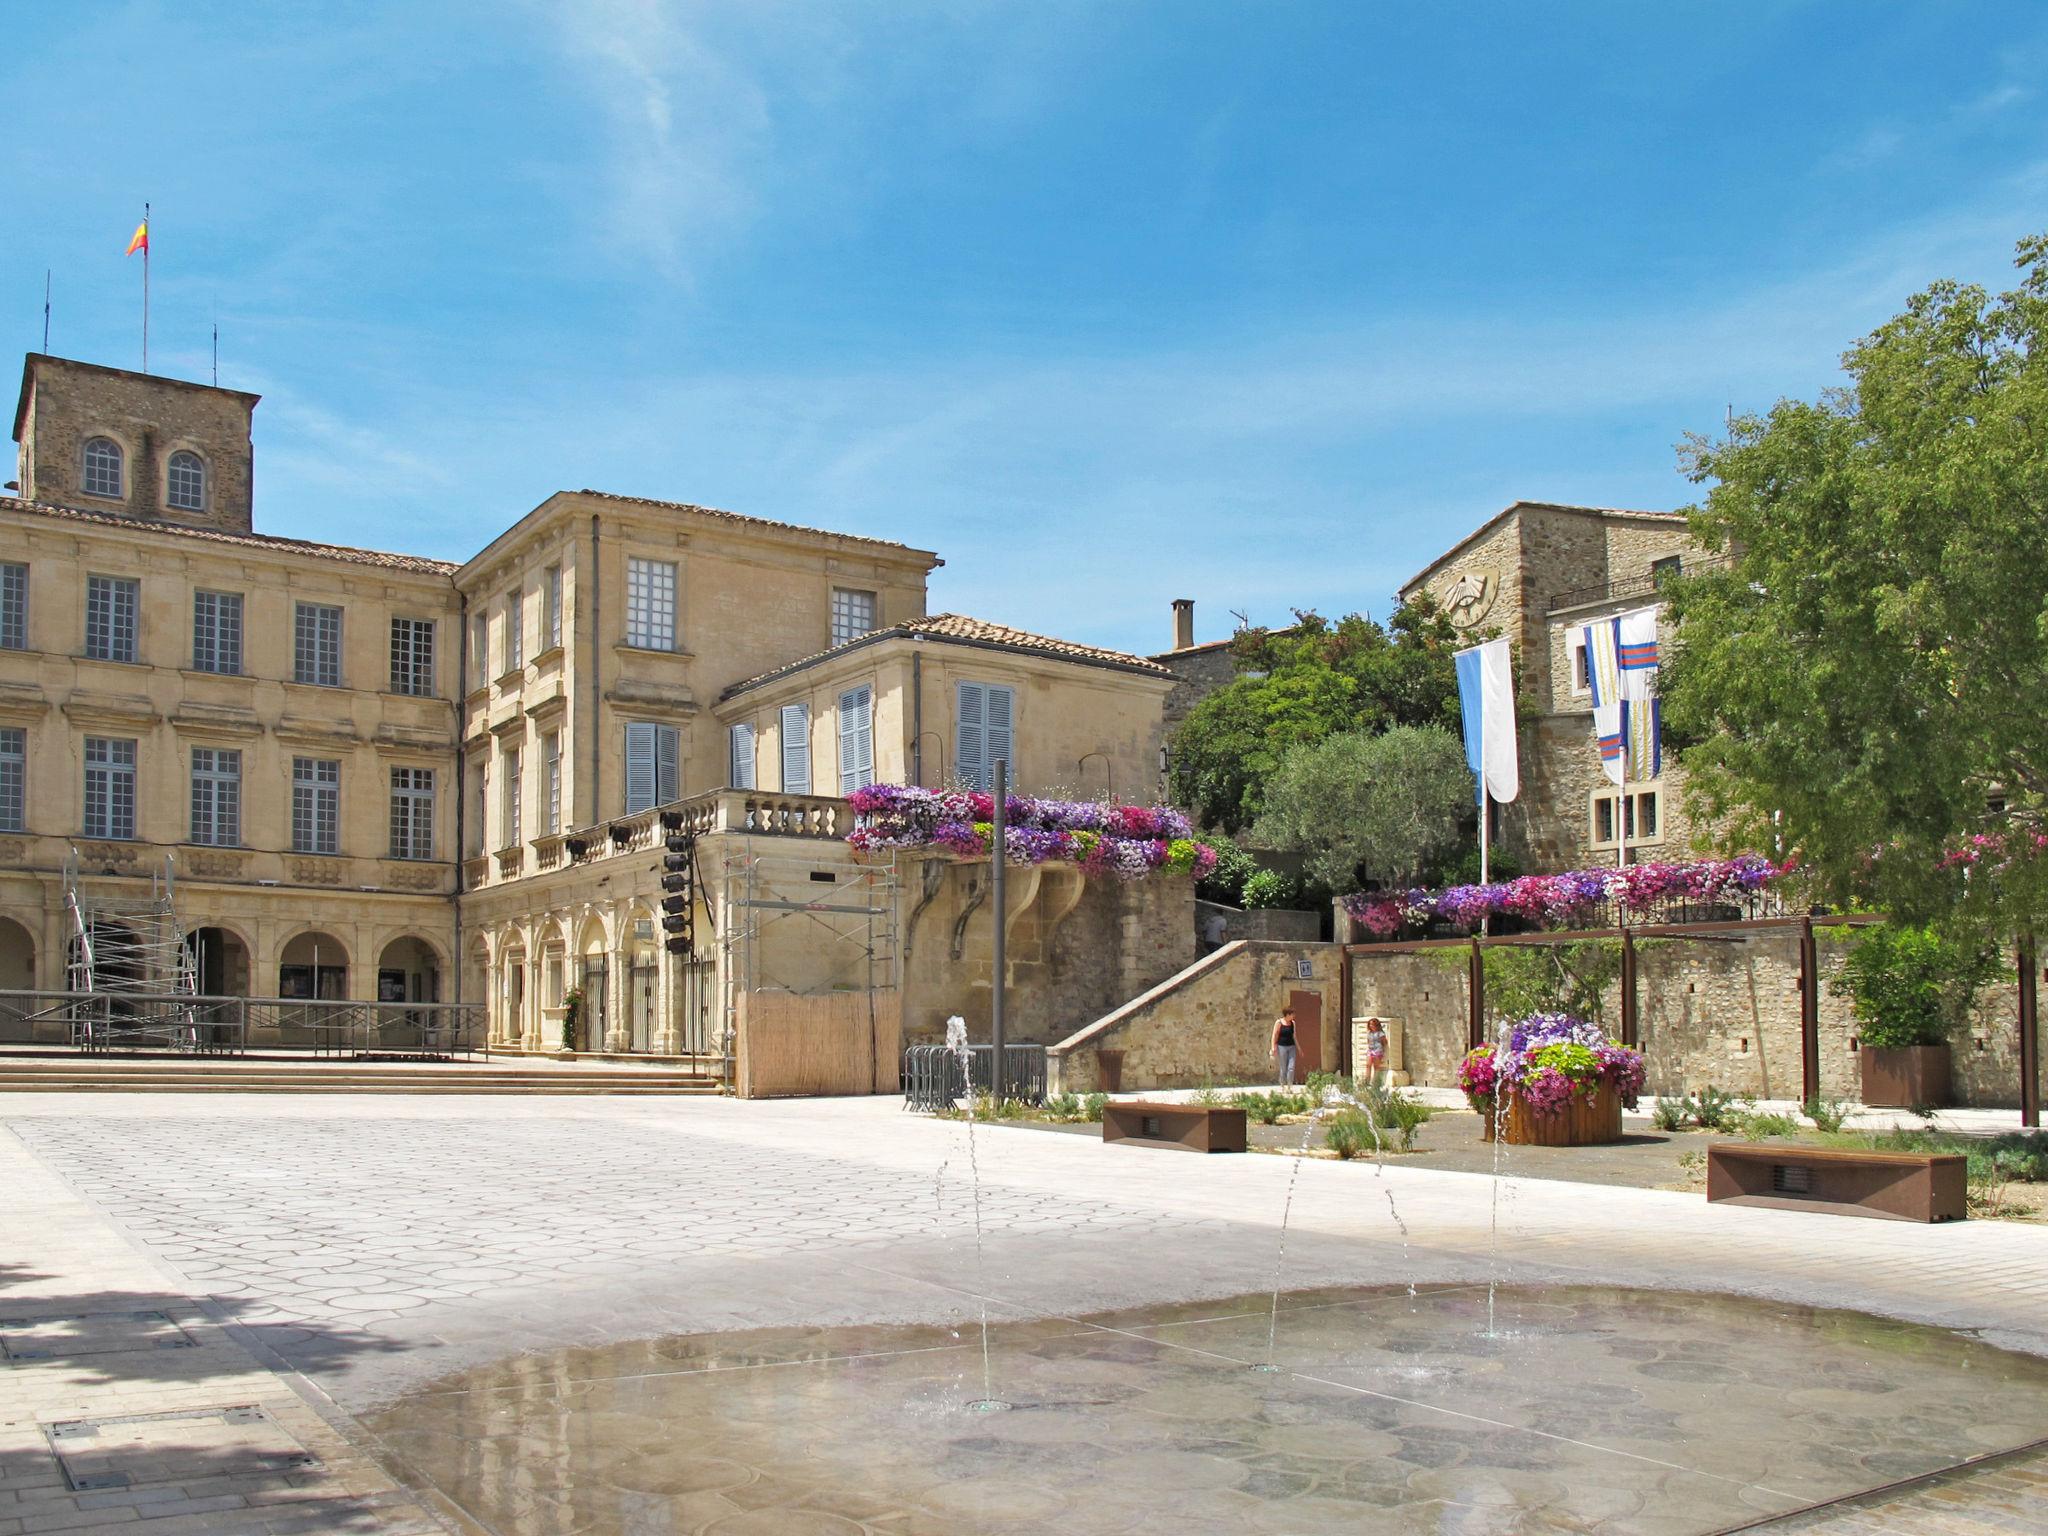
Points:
(740, 812)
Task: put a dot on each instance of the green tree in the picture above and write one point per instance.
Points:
(1868, 667)
(1298, 685)
(1383, 807)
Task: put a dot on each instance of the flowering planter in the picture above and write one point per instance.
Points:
(1580, 1123)
(1905, 1076)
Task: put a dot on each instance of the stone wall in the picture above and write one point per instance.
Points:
(1722, 1011)
(1075, 947)
(1211, 1023)
(1284, 923)
(1197, 672)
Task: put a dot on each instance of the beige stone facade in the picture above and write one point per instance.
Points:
(1538, 573)
(382, 776)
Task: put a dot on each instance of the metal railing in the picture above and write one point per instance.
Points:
(199, 1025)
(1633, 586)
(933, 1075)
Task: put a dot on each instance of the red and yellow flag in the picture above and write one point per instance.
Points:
(140, 240)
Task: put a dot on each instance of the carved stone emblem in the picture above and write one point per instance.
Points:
(1469, 599)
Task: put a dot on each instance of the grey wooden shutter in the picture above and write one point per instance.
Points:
(856, 739)
(639, 766)
(796, 749)
(970, 736)
(666, 741)
(743, 756)
(1000, 710)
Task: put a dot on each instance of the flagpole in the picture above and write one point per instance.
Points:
(145, 287)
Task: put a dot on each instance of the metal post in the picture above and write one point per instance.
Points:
(1475, 984)
(2030, 1035)
(998, 853)
(1629, 1026)
(1809, 1013)
(1345, 1003)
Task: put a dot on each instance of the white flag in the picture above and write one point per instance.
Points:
(1486, 699)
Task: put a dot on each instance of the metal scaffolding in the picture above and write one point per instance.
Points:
(132, 971)
(848, 913)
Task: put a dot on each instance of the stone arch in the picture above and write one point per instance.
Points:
(17, 957)
(223, 958)
(409, 969)
(313, 962)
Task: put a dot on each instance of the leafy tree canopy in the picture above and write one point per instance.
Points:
(1384, 807)
(1297, 686)
(1871, 663)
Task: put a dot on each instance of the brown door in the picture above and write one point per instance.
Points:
(1308, 1033)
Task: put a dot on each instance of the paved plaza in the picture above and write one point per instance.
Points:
(339, 1263)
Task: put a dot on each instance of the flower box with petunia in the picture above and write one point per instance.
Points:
(1571, 899)
(1101, 837)
(1554, 1080)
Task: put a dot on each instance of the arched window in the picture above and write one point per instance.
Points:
(185, 486)
(102, 467)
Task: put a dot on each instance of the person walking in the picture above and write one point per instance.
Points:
(1375, 1051)
(1283, 1045)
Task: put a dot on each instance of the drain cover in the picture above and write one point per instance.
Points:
(88, 1333)
(144, 1448)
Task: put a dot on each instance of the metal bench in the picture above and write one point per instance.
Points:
(1894, 1186)
(1184, 1127)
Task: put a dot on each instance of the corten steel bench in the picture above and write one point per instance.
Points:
(1184, 1127)
(1895, 1186)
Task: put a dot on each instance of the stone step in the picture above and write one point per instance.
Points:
(192, 1083)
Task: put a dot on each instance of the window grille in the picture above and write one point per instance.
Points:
(317, 645)
(511, 788)
(316, 805)
(110, 608)
(103, 467)
(216, 796)
(651, 604)
(412, 656)
(552, 756)
(515, 629)
(217, 632)
(13, 607)
(109, 787)
(853, 614)
(185, 482)
(412, 813)
(13, 777)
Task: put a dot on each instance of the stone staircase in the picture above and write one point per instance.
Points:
(72, 1073)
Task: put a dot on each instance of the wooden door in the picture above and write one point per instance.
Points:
(1308, 1033)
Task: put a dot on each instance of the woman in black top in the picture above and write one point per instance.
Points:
(1283, 1045)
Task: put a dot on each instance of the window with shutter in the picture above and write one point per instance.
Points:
(1001, 710)
(743, 756)
(796, 749)
(651, 752)
(856, 739)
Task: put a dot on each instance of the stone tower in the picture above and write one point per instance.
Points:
(107, 440)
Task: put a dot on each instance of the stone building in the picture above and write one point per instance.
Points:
(1537, 573)
(378, 775)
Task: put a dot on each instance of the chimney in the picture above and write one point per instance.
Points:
(1183, 623)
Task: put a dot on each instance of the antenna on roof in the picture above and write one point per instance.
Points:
(46, 311)
(1243, 620)
(216, 353)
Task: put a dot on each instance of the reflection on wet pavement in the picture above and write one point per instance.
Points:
(1595, 1410)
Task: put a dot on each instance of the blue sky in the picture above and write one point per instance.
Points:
(1259, 304)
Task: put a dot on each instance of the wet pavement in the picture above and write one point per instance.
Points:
(1588, 1408)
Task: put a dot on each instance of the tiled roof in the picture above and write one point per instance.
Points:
(959, 629)
(744, 518)
(263, 541)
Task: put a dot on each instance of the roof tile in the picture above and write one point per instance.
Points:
(264, 541)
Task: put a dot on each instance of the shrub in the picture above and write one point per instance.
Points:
(1714, 1109)
(1828, 1115)
(1093, 1104)
(1396, 1112)
(1670, 1115)
(1064, 1108)
(1225, 883)
(1761, 1126)
(1349, 1133)
(1270, 888)
(1320, 1085)
(1264, 1108)
(1209, 1096)
(1910, 986)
